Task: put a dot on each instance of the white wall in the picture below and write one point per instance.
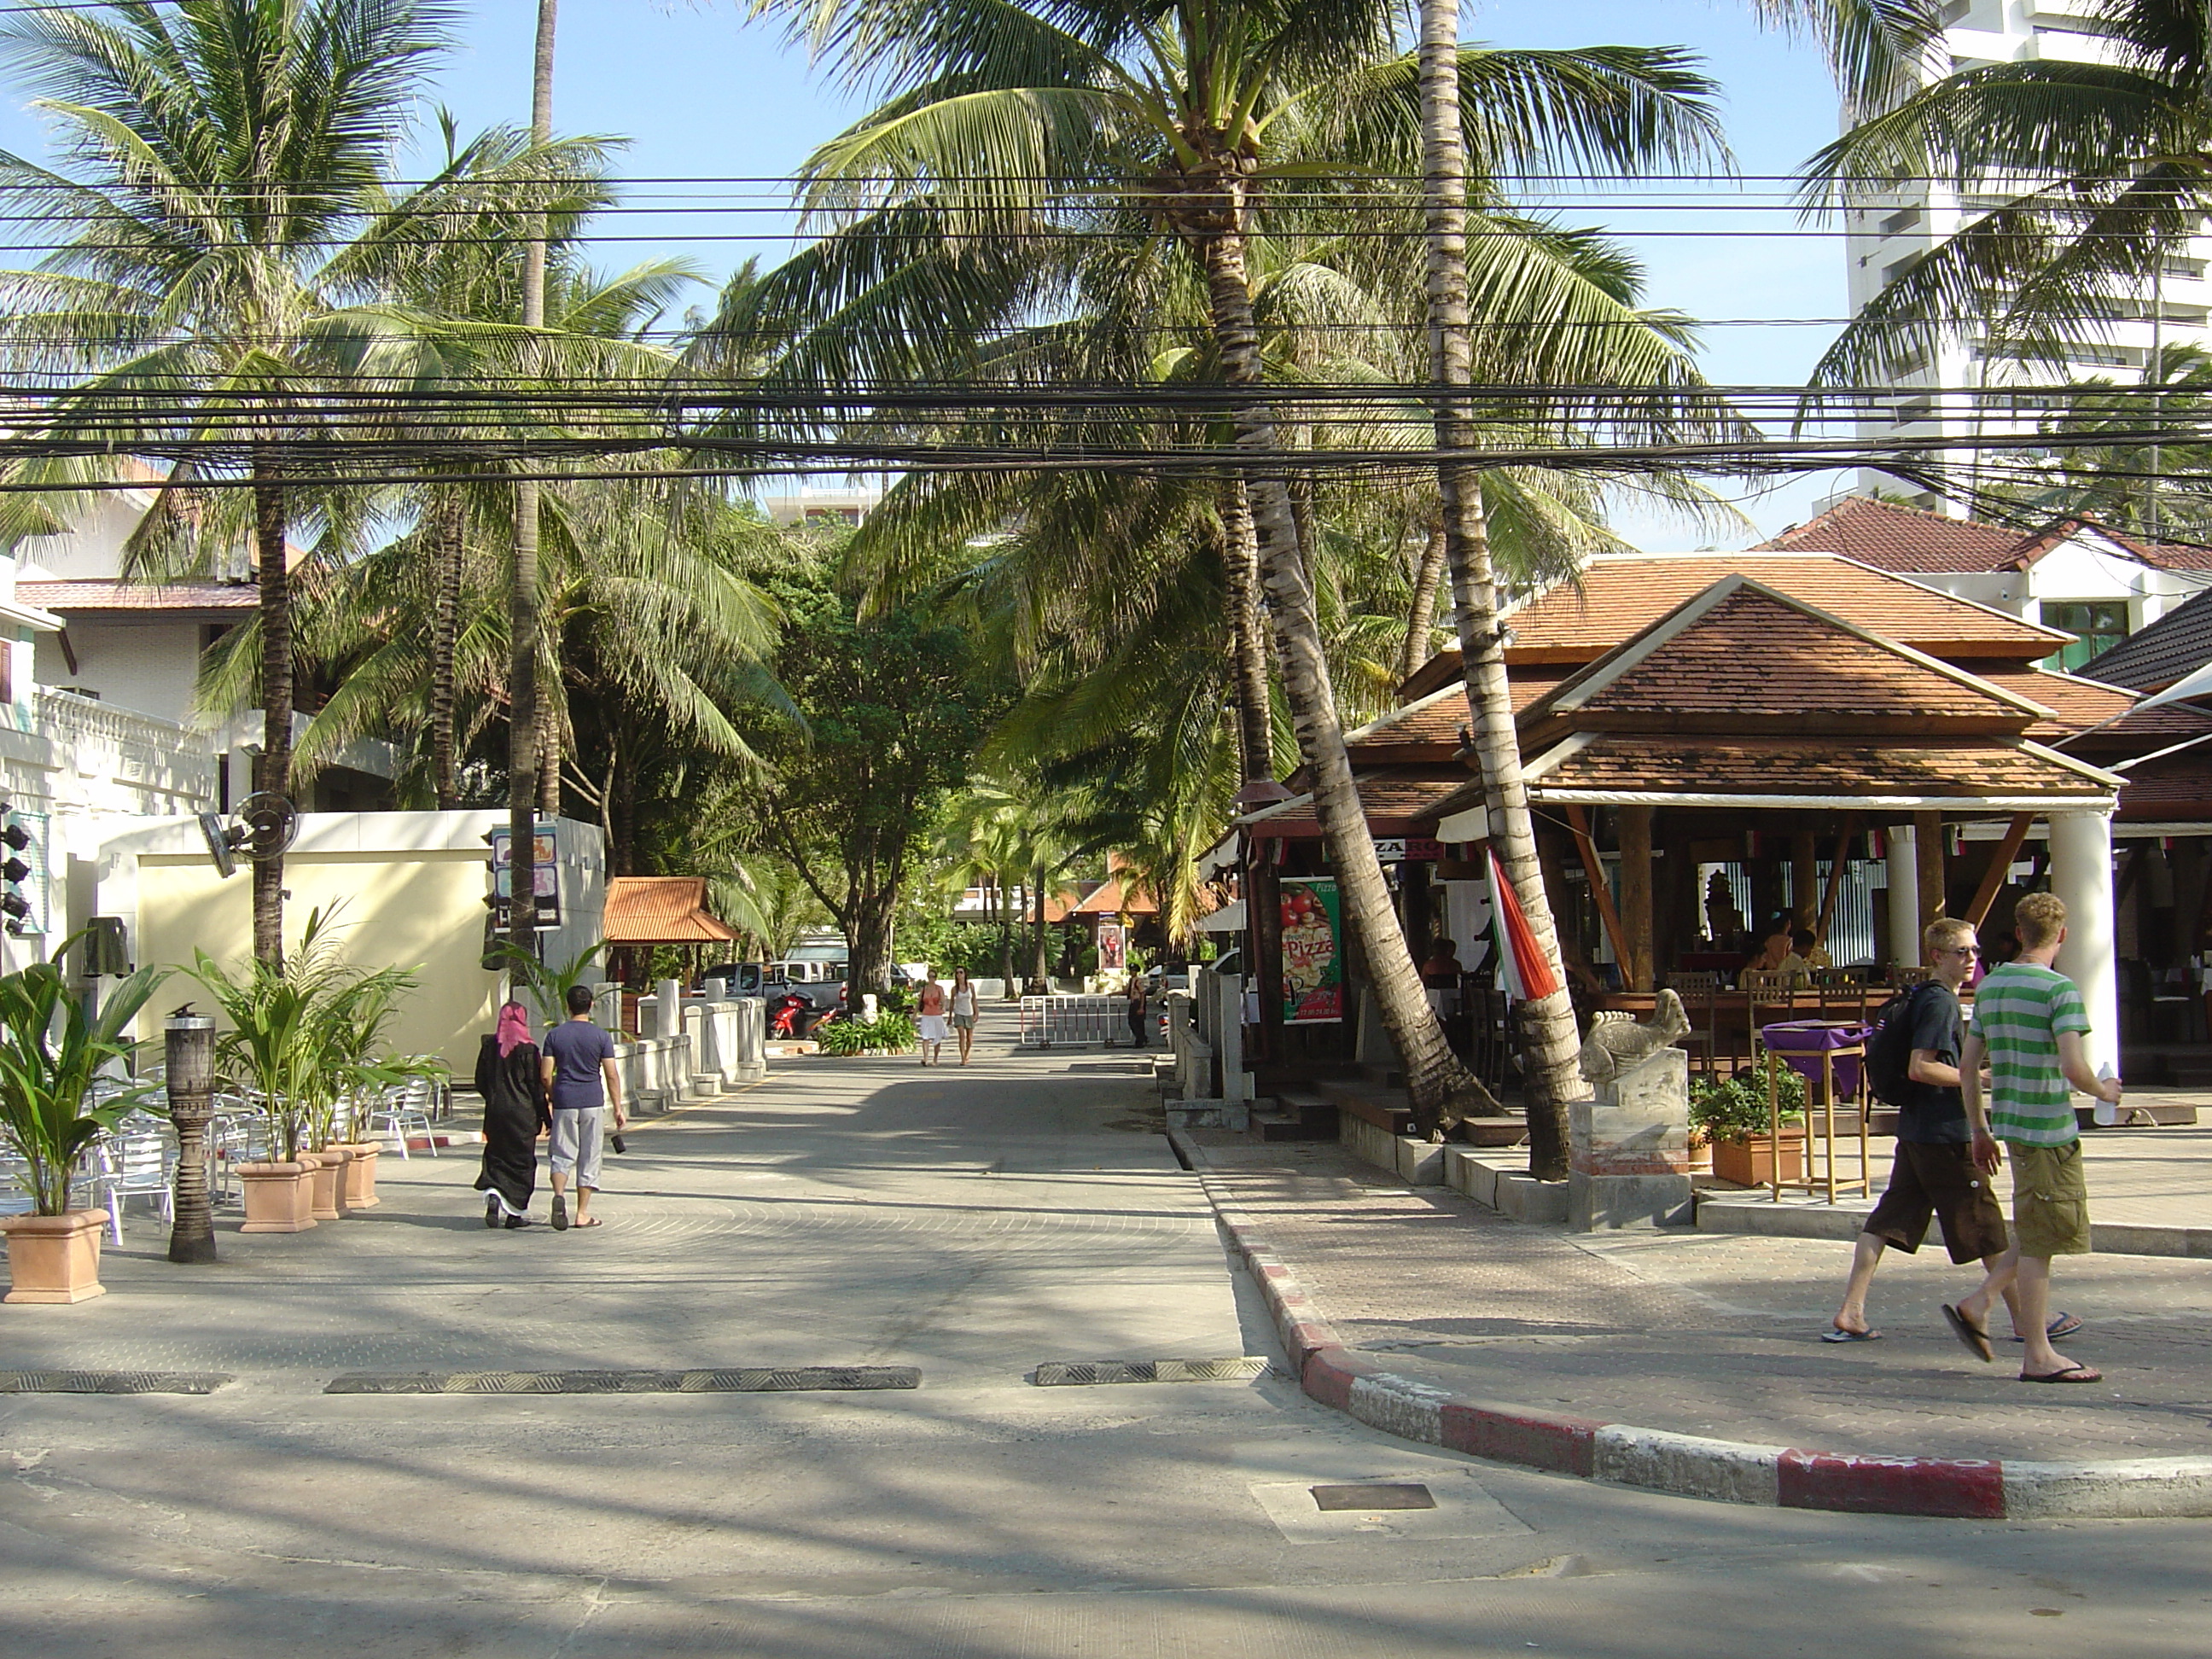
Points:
(149, 665)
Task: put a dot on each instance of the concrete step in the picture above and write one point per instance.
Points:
(1285, 1125)
(1493, 1131)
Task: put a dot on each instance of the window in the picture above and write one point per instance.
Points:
(1904, 220)
(2097, 624)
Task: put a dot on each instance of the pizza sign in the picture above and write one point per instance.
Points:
(1313, 966)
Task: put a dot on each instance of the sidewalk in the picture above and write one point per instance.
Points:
(2150, 1191)
(1718, 1334)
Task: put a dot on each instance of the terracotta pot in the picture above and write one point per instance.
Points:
(54, 1258)
(280, 1198)
(1701, 1159)
(361, 1174)
(1751, 1163)
(329, 1181)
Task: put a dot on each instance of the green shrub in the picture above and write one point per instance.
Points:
(1735, 1108)
(892, 1032)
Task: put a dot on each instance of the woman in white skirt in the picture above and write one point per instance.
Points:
(931, 1009)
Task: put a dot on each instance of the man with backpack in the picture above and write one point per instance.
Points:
(1912, 1063)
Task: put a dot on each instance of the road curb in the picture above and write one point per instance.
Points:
(1691, 1466)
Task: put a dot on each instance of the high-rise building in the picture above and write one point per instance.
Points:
(1885, 237)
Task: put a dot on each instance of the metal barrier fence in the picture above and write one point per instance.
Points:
(1056, 1022)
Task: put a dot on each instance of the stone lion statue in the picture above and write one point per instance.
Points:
(1614, 1046)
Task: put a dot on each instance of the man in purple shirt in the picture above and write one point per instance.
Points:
(583, 1079)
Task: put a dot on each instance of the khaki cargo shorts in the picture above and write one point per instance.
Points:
(2049, 1200)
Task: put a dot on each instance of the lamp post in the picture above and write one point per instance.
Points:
(191, 1054)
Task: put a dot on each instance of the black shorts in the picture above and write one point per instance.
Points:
(1939, 1179)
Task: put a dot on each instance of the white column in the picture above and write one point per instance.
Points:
(2081, 877)
(668, 1009)
(1904, 859)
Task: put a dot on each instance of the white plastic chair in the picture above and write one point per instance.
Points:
(136, 1164)
(404, 1111)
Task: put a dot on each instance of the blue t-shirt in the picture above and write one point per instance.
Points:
(576, 1047)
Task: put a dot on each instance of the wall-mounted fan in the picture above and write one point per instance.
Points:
(262, 827)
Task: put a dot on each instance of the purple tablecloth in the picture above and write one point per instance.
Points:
(1801, 1043)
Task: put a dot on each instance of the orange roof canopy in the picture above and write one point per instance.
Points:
(662, 910)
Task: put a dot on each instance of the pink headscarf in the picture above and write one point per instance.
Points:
(513, 1028)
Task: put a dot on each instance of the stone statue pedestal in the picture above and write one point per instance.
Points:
(1629, 1148)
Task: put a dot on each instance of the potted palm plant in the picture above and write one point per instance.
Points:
(358, 1014)
(50, 1050)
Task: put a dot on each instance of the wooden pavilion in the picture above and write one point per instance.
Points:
(1703, 734)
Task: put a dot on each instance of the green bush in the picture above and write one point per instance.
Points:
(1735, 1108)
(892, 1032)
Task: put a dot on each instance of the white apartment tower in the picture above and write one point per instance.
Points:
(1884, 238)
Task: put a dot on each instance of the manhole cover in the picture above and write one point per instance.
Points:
(1086, 1373)
(1395, 1496)
(790, 1380)
(110, 1382)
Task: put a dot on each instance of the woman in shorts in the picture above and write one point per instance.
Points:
(963, 1012)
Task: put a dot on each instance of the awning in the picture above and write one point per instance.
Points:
(1229, 919)
(1222, 856)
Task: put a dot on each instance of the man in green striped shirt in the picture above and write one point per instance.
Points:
(2027, 1028)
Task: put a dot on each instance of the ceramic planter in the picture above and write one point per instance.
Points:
(54, 1258)
(361, 1174)
(1752, 1162)
(280, 1198)
(328, 1181)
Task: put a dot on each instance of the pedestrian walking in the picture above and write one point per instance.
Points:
(963, 1012)
(1140, 1035)
(583, 1082)
(2029, 1022)
(1934, 1174)
(930, 1008)
(516, 1117)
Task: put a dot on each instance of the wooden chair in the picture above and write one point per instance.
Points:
(1768, 994)
(1899, 974)
(1701, 994)
(1843, 992)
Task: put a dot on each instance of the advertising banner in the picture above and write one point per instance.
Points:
(545, 876)
(1113, 947)
(1313, 958)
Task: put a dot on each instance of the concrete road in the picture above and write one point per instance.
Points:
(972, 1224)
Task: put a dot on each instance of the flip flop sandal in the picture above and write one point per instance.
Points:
(560, 1214)
(2068, 1374)
(593, 1222)
(1838, 1334)
(2063, 1324)
(1972, 1337)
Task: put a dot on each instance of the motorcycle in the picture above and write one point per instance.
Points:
(791, 1016)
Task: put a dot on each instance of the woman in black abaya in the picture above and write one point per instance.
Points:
(516, 1113)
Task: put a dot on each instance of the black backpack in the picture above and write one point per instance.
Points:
(1889, 1048)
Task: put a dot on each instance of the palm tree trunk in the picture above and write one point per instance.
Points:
(1421, 617)
(1038, 966)
(1006, 932)
(1548, 1023)
(1440, 1089)
(522, 746)
(447, 527)
(1256, 746)
(550, 748)
(273, 773)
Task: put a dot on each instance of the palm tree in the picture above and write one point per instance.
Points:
(2098, 169)
(218, 161)
(1210, 124)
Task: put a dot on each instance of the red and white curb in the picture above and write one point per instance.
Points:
(1692, 1465)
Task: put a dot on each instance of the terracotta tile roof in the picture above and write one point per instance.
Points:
(1618, 596)
(69, 599)
(1107, 899)
(1893, 537)
(1433, 722)
(661, 910)
(2177, 644)
(2176, 790)
(1742, 651)
(2081, 703)
(1620, 762)
(1395, 800)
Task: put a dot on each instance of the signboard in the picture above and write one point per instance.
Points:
(1408, 849)
(545, 874)
(1313, 958)
(1113, 947)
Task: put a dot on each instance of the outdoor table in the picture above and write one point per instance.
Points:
(1826, 1054)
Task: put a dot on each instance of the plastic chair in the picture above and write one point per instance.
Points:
(404, 1113)
(136, 1164)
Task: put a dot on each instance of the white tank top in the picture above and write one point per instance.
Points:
(963, 1001)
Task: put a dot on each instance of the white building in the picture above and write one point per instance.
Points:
(1886, 237)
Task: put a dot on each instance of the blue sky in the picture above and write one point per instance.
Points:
(700, 92)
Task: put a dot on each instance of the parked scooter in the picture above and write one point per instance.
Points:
(792, 1016)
